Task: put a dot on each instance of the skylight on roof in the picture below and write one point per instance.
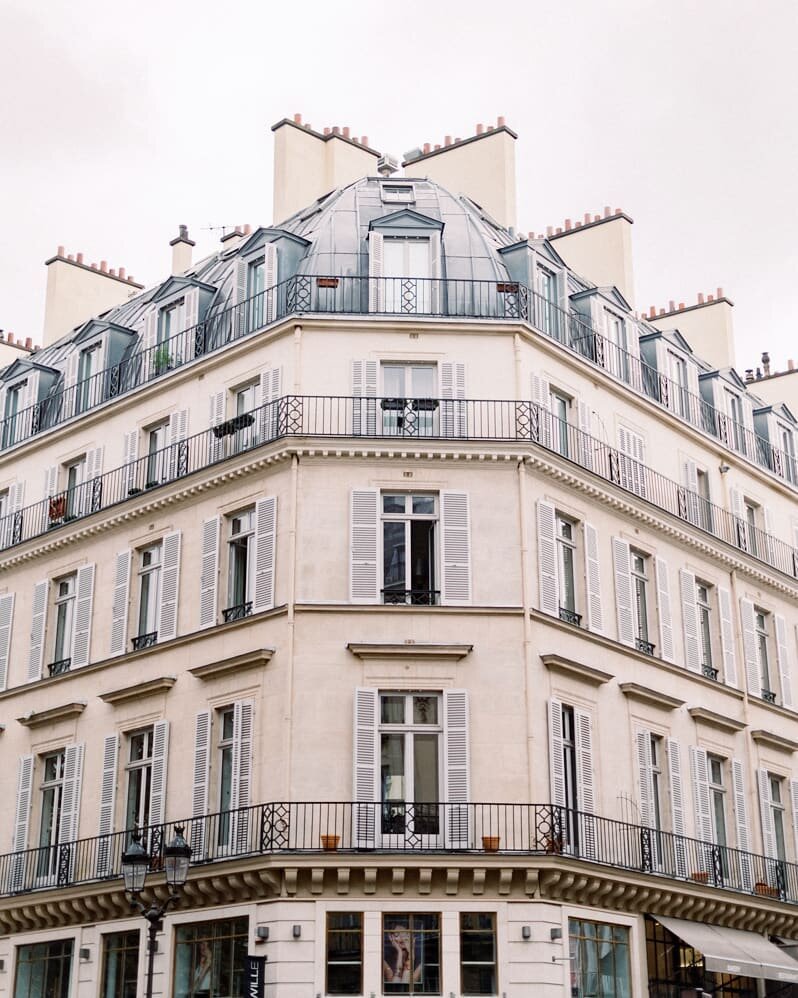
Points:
(398, 194)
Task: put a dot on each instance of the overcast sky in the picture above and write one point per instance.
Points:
(118, 122)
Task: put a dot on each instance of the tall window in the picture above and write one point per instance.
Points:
(344, 953)
(618, 346)
(245, 403)
(256, 285)
(704, 501)
(570, 774)
(87, 393)
(170, 322)
(599, 959)
(409, 404)
(120, 964)
(149, 596)
(411, 954)
(52, 788)
(157, 455)
(210, 959)
(478, 954)
(406, 266)
(64, 623)
(566, 559)
(679, 402)
(13, 427)
(240, 570)
(549, 314)
(44, 969)
(560, 405)
(777, 810)
(640, 602)
(717, 800)
(703, 606)
(410, 763)
(736, 429)
(751, 511)
(139, 779)
(75, 492)
(409, 525)
(224, 754)
(788, 452)
(761, 619)
(656, 780)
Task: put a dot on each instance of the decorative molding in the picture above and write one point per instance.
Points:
(774, 741)
(703, 715)
(139, 690)
(424, 651)
(247, 660)
(654, 698)
(568, 667)
(53, 714)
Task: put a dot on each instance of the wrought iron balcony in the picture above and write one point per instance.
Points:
(237, 612)
(411, 597)
(470, 830)
(570, 616)
(144, 640)
(768, 696)
(59, 667)
(708, 672)
(420, 298)
(646, 647)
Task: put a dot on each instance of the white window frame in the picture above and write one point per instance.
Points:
(408, 518)
(641, 582)
(764, 657)
(246, 535)
(153, 570)
(143, 767)
(389, 195)
(47, 860)
(565, 535)
(64, 609)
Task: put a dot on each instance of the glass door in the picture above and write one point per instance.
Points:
(409, 403)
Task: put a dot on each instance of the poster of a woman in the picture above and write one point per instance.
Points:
(203, 971)
(400, 964)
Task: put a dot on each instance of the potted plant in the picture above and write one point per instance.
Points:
(553, 845)
(700, 876)
(763, 889)
(161, 359)
(329, 843)
(490, 843)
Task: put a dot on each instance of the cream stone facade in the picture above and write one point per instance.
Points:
(447, 605)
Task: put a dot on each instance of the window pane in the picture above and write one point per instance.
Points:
(210, 958)
(425, 776)
(393, 709)
(393, 767)
(425, 710)
(393, 556)
(344, 953)
(393, 504)
(424, 504)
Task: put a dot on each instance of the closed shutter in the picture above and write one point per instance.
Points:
(677, 804)
(646, 776)
(6, 627)
(191, 313)
(169, 587)
(623, 590)
(456, 530)
(131, 455)
(364, 386)
(240, 288)
(548, 576)
(633, 471)
(749, 647)
(51, 480)
(270, 281)
(456, 767)
(664, 609)
(376, 269)
(586, 798)
(366, 790)
(454, 417)
(595, 620)
(766, 814)
(264, 555)
(585, 438)
(17, 874)
(36, 657)
(785, 665)
(690, 471)
(84, 601)
(107, 804)
(241, 783)
(738, 511)
(727, 637)
(150, 332)
(94, 463)
(217, 405)
(244, 315)
(119, 606)
(700, 775)
(202, 762)
(435, 272)
(209, 572)
(364, 522)
(540, 393)
(178, 444)
(16, 497)
(741, 823)
(70, 793)
(794, 807)
(556, 759)
(160, 760)
(687, 591)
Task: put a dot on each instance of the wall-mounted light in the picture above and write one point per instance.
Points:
(296, 932)
(262, 933)
(526, 932)
(724, 469)
(84, 953)
(555, 934)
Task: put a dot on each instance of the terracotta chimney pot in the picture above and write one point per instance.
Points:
(427, 147)
(720, 293)
(297, 119)
(607, 211)
(122, 276)
(70, 257)
(112, 271)
(480, 129)
(568, 225)
(700, 297)
(671, 305)
(447, 140)
(104, 266)
(364, 140)
(326, 131)
(79, 258)
(500, 121)
(60, 251)
(346, 131)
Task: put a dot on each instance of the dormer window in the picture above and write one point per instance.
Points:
(405, 263)
(88, 367)
(256, 285)
(15, 405)
(398, 194)
(171, 320)
(407, 273)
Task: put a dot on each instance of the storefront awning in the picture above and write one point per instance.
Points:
(732, 951)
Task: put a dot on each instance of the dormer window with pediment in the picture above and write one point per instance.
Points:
(171, 332)
(405, 264)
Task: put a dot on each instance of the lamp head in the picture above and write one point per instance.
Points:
(177, 856)
(135, 863)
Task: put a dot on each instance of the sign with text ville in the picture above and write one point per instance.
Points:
(253, 979)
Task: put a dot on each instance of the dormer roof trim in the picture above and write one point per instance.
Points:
(541, 246)
(670, 336)
(96, 327)
(174, 285)
(611, 294)
(727, 374)
(266, 234)
(406, 218)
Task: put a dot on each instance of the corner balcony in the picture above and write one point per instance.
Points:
(515, 833)
(364, 420)
(414, 298)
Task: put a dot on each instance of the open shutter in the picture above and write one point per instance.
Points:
(93, 495)
(664, 609)
(178, 445)
(270, 281)
(540, 393)
(240, 290)
(209, 572)
(366, 790)
(623, 590)
(84, 600)
(265, 542)
(107, 804)
(454, 420)
(36, 657)
(51, 480)
(119, 607)
(741, 823)
(646, 777)
(16, 497)
(770, 536)
(785, 666)
(364, 521)
(70, 794)
(270, 392)
(556, 759)
(6, 625)
(94, 463)
(241, 783)
(170, 586)
(585, 439)
(743, 540)
(455, 748)
(766, 813)
(216, 416)
(376, 269)
(160, 757)
(677, 804)
(456, 549)
(690, 472)
(435, 272)
(586, 797)
(794, 807)
(700, 775)
(199, 807)
(191, 311)
(548, 578)
(70, 382)
(687, 591)
(595, 620)
(150, 331)
(131, 455)
(242, 309)
(17, 878)
(749, 647)
(727, 637)
(364, 386)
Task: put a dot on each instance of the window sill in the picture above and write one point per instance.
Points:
(139, 690)
(47, 717)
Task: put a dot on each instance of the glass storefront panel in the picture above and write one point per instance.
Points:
(210, 959)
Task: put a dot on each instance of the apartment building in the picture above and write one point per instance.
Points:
(444, 600)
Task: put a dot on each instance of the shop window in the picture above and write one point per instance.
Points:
(344, 953)
(210, 958)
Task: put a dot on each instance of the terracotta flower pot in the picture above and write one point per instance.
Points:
(700, 876)
(329, 843)
(490, 843)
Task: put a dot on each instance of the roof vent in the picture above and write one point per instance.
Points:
(413, 154)
(386, 165)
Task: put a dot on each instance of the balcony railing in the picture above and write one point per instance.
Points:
(144, 640)
(411, 597)
(396, 296)
(237, 612)
(646, 647)
(59, 667)
(570, 616)
(406, 828)
(512, 422)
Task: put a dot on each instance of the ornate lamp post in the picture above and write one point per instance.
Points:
(135, 863)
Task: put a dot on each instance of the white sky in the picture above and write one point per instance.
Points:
(118, 122)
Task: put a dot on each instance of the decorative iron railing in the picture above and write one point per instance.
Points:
(408, 828)
(363, 419)
(397, 296)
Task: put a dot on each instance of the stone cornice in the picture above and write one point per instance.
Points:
(139, 690)
(568, 667)
(61, 713)
(426, 652)
(702, 715)
(237, 663)
(654, 698)
(774, 741)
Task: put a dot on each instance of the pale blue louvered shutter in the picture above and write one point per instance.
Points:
(456, 768)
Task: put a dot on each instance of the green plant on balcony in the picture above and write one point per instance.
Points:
(162, 360)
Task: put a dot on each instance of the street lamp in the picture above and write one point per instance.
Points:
(135, 863)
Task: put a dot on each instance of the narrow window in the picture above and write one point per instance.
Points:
(478, 954)
(245, 418)
(703, 606)
(139, 779)
(407, 270)
(149, 585)
(560, 406)
(256, 286)
(64, 624)
(210, 959)
(344, 953)
(157, 454)
(409, 531)
(678, 372)
(120, 964)
(52, 787)
(656, 780)
(640, 604)
(548, 310)
(751, 510)
(86, 388)
(224, 754)
(761, 629)
(777, 810)
(570, 775)
(75, 475)
(717, 800)
(398, 193)
(240, 570)
(410, 763)
(599, 959)
(411, 954)
(566, 560)
(736, 428)
(788, 452)
(14, 417)
(618, 347)
(704, 501)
